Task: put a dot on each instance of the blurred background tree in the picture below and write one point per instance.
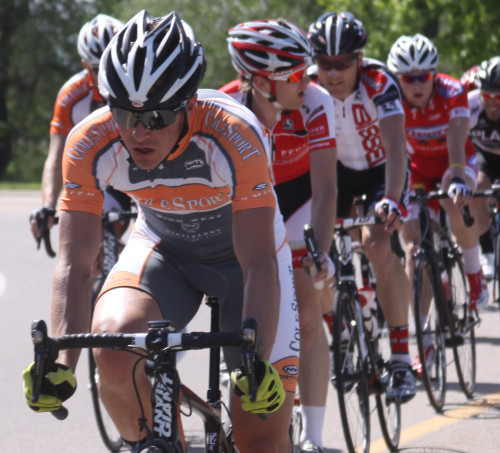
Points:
(38, 48)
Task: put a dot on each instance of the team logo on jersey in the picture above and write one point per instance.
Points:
(197, 163)
(288, 124)
(261, 186)
(72, 185)
(138, 104)
(190, 227)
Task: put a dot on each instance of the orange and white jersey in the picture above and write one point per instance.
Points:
(220, 166)
(296, 133)
(77, 98)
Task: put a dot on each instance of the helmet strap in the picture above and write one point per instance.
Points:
(271, 96)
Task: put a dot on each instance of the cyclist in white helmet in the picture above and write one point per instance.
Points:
(272, 57)
(372, 161)
(77, 98)
(195, 162)
(484, 132)
(437, 122)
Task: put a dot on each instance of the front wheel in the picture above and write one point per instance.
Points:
(350, 377)
(430, 334)
(464, 321)
(389, 414)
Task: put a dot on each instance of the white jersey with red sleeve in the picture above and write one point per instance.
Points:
(376, 96)
(427, 128)
(296, 133)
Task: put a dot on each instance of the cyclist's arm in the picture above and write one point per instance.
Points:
(392, 133)
(254, 244)
(458, 129)
(52, 171)
(79, 240)
(324, 195)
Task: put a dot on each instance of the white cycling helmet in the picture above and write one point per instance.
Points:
(488, 74)
(152, 63)
(269, 48)
(95, 35)
(412, 53)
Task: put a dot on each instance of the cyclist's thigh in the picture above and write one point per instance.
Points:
(146, 266)
(295, 230)
(124, 310)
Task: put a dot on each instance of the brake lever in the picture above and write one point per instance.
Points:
(45, 350)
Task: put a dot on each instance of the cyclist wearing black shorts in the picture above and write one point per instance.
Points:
(484, 132)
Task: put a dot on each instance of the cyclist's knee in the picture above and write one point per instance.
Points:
(269, 435)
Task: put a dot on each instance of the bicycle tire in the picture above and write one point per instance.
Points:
(351, 384)
(389, 415)
(424, 289)
(464, 348)
(109, 434)
(496, 270)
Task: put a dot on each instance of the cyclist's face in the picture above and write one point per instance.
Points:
(92, 70)
(339, 74)
(491, 104)
(291, 94)
(417, 87)
(149, 148)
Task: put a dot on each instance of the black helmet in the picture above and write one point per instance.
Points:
(152, 63)
(336, 34)
(488, 74)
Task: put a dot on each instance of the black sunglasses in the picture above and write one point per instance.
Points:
(150, 119)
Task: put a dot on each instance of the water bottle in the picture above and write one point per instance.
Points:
(368, 308)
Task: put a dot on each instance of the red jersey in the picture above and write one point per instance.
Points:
(298, 132)
(427, 128)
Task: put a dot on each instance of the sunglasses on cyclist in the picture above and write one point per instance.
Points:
(412, 78)
(150, 119)
(490, 97)
(338, 65)
(297, 76)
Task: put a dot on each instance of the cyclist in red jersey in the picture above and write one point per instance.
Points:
(272, 57)
(468, 79)
(437, 123)
(195, 162)
(76, 99)
(372, 161)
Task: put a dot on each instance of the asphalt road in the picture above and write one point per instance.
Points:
(466, 426)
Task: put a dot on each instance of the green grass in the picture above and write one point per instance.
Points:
(11, 185)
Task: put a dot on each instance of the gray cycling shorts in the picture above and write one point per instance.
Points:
(179, 282)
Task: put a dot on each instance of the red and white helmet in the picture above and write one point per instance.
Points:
(269, 48)
(95, 35)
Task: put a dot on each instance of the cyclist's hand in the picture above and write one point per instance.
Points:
(392, 212)
(459, 192)
(41, 220)
(270, 391)
(57, 386)
(327, 268)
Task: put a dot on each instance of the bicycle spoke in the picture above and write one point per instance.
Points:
(430, 334)
(350, 375)
(389, 414)
(464, 346)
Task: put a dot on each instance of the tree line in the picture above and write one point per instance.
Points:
(38, 49)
